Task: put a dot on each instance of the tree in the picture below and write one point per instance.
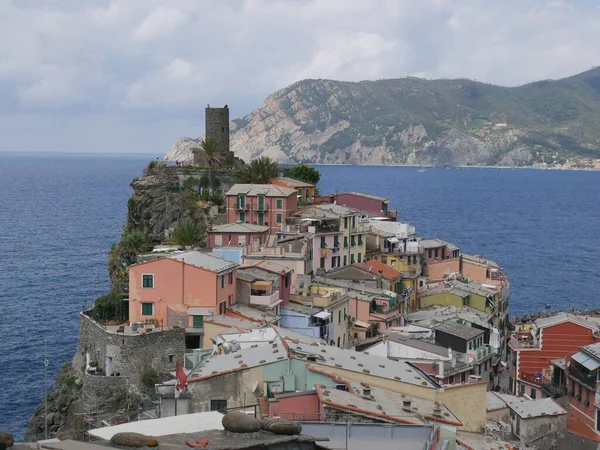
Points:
(188, 233)
(210, 153)
(305, 173)
(134, 244)
(259, 171)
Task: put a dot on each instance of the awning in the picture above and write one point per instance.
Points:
(393, 240)
(586, 361)
(361, 324)
(308, 219)
(262, 284)
(322, 315)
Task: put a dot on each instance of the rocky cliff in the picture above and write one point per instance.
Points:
(424, 122)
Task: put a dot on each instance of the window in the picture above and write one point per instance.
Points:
(384, 259)
(198, 321)
(307, 192)
(287, 280)
(279, 218)
(345, 222)
(241, 201)
(359, 257)
(261, 202)
(338, 341)
(436, 252)
(147, 309)
(344, 340)
(171, 358)
(241, 240)
(352, 261)
(242, 216)
(147, 280)
(345, 241)
(323, 243)
(229, 299)
(451, 380)
(261, 218)
(222, 281)
(218, 405)
(353, 241)
(360, 240)
(339, 317)
(353, 221)
(218, 239)
(344, 313)
(300, 194)
(336, 241)
(222, 308)
(345, 260)
(279, 203)
(429, 253)
(230, 278)
(333, 262)
(533, 393)
(322, 263)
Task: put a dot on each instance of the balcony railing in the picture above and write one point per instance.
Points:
(358, 229)
(532, 378)
(259, 207)
(522, 343)
(554, 390)
(265, 300)
(583, 376)
(327, 228)
(244, 207)
(483, 353)
(454, 367)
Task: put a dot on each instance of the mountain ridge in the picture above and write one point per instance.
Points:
(414, 121)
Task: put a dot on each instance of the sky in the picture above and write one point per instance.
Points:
(135, 75)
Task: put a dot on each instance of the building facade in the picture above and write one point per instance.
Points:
(237, 234)
(260, 204)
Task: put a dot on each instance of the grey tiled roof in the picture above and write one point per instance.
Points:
(268, 190)
(589, 322)
(363, 363)
(418, 344)
(206, 261)
(458, 330)
(536, 408)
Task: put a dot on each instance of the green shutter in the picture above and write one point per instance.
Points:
(198, 322)
(147, 309)
(279, 203)
(278, 218)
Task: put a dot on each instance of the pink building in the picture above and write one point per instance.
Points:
(260, 204)
(237, 234)
(371, 205)
(436, 250)
(181, 288)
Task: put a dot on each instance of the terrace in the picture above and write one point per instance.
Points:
(263, 294)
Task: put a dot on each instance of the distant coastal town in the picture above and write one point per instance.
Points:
(248, 309)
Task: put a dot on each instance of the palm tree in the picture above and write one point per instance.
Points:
(259, 171)
(134, 243)
(188, 233)
(209, 152)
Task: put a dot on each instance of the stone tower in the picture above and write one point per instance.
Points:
(217, 126)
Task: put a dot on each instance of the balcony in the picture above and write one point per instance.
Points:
(554, 390)
(263, 299)
(383, 312)
(243, 207)
(582, 376)
(523, 343)
(324, 227)
(458, 365)
(358, 229)
(483, 353)
(536, 379)
(260, 208)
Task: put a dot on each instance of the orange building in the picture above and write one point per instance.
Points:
(306, 191)
(181, 289)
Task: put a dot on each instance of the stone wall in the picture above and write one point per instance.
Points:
(542, 432)
(102, 387)
(129, 355)
(340, 416)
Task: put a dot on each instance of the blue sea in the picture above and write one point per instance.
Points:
(59, 215)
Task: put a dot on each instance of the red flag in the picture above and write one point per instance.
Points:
(181, 379)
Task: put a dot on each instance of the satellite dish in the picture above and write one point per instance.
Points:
(254, 386)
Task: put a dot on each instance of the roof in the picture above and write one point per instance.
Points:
(528, 409)
(588, 322)
(378, 267)
(592, 349)
(268, 190)
(418, 344)
(294, 183)
(384, 404)
(437, 314)
(239, 228)
(187, 423)
(253, 314)
(256, 355)
(228, 321)
(436, 243)
(269, 266)
(325, 211)
(206, 261)
(364, 363)
(460, 288)
(361, 194)
(302, 309)
(286, 333)
(458, 330)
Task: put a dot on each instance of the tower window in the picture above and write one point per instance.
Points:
(222, 129)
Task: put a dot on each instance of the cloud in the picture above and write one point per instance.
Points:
(164, 60)
(160, 23)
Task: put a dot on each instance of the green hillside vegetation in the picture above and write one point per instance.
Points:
(552, 117)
